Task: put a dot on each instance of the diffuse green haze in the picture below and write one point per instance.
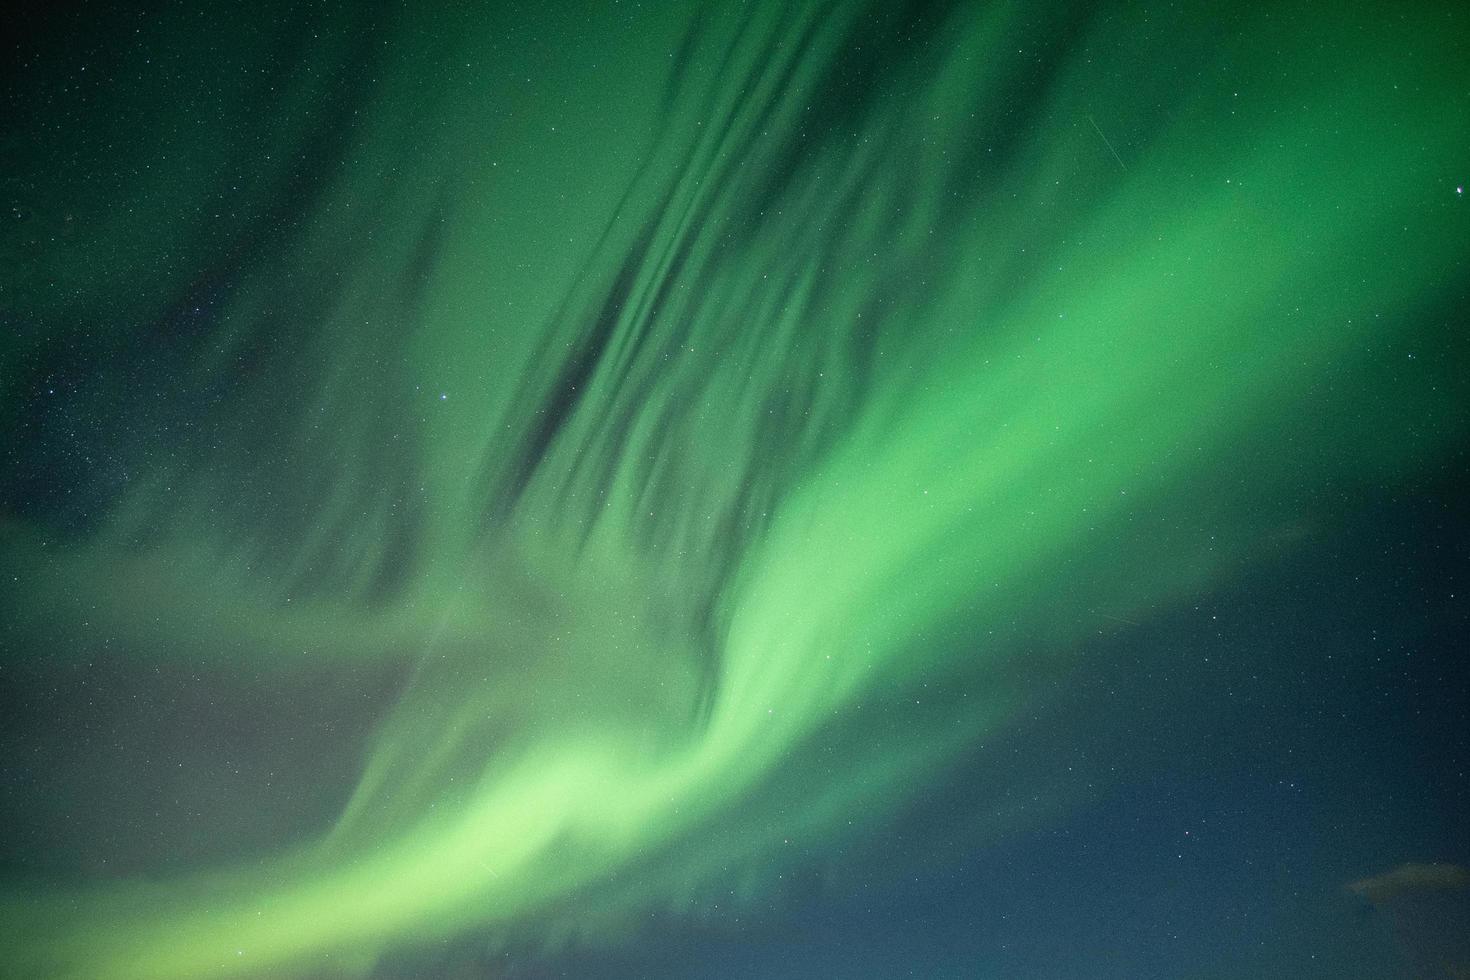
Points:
(734, 371)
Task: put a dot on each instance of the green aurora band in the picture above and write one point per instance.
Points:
(664, 392)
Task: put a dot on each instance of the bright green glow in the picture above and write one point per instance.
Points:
(859, 424)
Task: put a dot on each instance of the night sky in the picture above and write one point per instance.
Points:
(746, 489)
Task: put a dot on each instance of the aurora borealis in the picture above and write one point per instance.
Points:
(642, 489)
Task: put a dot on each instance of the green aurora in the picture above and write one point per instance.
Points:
(653, 395)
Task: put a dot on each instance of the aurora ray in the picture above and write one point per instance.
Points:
(685, 432)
